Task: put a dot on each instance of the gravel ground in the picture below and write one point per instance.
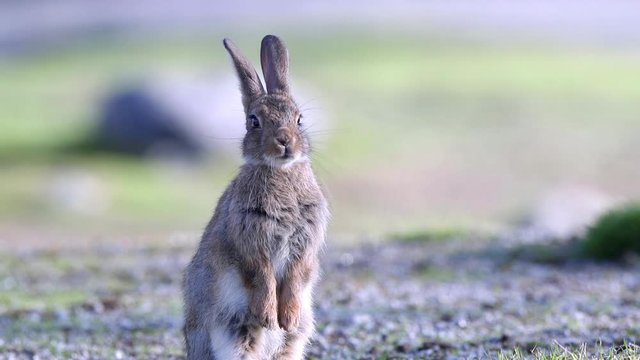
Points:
(456, 298)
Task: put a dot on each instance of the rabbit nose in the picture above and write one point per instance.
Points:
(283, 136)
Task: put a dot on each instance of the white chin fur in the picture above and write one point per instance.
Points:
(279, 163)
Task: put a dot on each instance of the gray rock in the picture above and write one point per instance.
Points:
(564, 213)
(154, 118)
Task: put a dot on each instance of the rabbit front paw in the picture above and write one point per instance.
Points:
(289, 313)
(264, 311)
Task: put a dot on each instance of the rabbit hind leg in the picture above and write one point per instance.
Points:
(198, 342)
(236, 340)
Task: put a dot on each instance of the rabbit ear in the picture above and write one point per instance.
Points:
(250, 84)
(275, 64)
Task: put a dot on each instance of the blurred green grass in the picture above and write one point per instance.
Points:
(404, 110)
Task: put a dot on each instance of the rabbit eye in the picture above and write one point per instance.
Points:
(299, 119)
(255, 122)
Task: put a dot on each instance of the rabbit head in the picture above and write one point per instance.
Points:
(273, 120)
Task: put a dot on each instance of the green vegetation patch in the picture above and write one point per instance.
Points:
(551, 254)
(615, 234)
(431, 234)
(28, 300)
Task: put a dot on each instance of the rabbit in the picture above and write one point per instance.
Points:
(248, 289)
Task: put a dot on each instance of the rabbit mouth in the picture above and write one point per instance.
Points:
(286, 159)
(287, 153)
(284, 153)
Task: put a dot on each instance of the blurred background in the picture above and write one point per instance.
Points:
(122, 119)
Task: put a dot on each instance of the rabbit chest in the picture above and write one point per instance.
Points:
(284, 219)
(289, 231)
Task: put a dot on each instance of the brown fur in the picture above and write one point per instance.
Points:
(272, 214)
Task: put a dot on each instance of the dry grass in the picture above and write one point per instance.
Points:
(558, 352)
